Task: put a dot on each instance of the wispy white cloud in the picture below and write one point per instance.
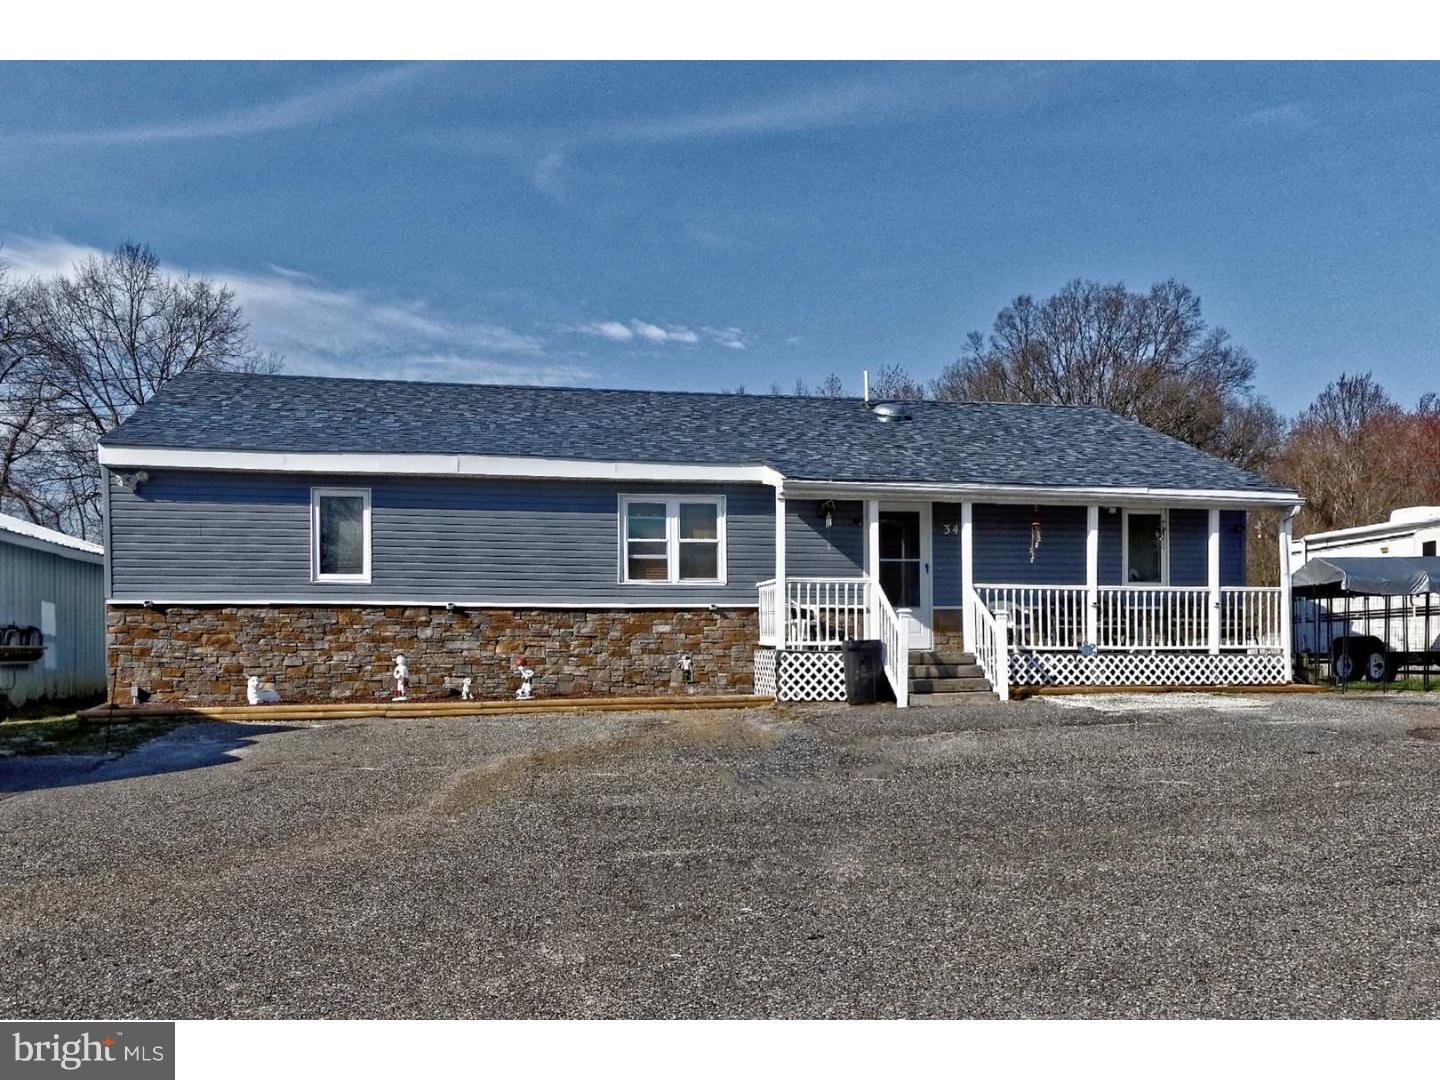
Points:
(298, 110)
(818, 108)
(324, 330)
(546, 154)
(1292, 114)
(729, 337)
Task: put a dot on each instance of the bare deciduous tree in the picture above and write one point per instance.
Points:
(1353, 455)
(1149, 356)
(892, 382)
(28, 416)
(94, 345)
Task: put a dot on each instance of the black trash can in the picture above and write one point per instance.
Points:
(864, 669)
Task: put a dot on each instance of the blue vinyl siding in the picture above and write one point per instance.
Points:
(946, 549)
(1189, 540)
(812, 550)
(1232, 547)
(1112, 546)
(1189, 543)
(1002, 545)
(245, 537)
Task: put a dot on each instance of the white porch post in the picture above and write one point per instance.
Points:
(1092, 575)
(1212, 556)
(1286, 610)
(967, 573)
(872, 564)
(781, 606)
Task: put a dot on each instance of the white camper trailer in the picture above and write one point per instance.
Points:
(1411, 530)
(1366, 602)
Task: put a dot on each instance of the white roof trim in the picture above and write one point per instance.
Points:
(1078, 496)
(132, 457)
(494, 465)
(28, 534)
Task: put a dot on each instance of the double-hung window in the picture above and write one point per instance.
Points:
(672, 539)
(340, 534)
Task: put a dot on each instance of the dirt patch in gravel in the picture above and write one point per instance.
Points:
(721, 729)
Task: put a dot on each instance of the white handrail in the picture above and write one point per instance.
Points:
(992, 645)
(894, 635)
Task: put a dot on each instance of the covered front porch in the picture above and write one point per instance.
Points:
(1134, 590)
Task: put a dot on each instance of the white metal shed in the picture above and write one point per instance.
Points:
(52, 613)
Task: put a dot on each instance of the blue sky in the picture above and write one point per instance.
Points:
(701, 226)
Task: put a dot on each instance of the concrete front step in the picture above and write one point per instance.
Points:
(948, 686)
(940, 657)
(946, 671)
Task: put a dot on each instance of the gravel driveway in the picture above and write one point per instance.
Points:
(1160, 856)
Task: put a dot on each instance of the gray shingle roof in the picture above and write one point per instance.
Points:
(803, 438)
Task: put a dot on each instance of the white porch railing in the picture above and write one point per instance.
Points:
(824, 613)
(1154, 617)
(1039, 616)
(991, 648)
(1250, 619)
(769, 624)
(1134, 617)
(894, 634)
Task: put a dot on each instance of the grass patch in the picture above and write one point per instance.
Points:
(1412, 682)
(42, 727)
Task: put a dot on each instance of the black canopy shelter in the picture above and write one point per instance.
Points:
(1357, 638)
(1381, 575)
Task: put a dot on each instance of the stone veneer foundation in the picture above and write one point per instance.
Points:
(205, 654)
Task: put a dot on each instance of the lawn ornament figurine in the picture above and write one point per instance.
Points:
(257, 696)
(465, 691)
(401, 675)
(527, 680)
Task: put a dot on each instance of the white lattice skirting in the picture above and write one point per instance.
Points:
(807, 675)
(1146, 669)
(765, 672)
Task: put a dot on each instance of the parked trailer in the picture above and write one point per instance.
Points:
(1368, 617)
(1411, 530)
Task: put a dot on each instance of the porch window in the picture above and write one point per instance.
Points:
(340, 534)
(672, 539)
(1147, 542)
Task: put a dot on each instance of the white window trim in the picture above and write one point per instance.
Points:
(316, 494)
(1164, 514)
(672, 540)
